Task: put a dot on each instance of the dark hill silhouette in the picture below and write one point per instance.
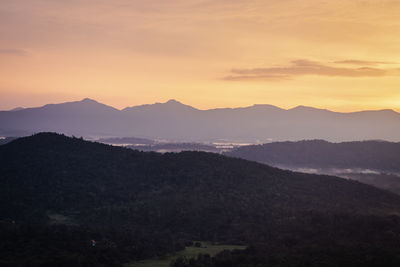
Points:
(56, 165)
(373, 155)
(140, 204)
(175, 121)
(6, 140)
(372, 162)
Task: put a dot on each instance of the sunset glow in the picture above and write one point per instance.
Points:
(340, 55)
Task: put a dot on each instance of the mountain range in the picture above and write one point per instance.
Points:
(175, 121)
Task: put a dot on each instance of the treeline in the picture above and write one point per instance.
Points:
(65, 245)
(327, 240)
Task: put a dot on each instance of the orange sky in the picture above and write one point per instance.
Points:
(341, 55)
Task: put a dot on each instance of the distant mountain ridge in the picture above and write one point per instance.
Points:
(175, 121)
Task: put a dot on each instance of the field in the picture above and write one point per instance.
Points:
(189, 252)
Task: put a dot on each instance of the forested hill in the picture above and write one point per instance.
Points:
(372, 155)
(140, 204)
(48, 172)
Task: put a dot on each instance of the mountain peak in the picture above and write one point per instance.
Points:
(175, 105)
(88, 100)
(264, 106)
(171, 104)
(389, 111)
(301, 107)
(306, 108)
(81, 106)
(173, 101)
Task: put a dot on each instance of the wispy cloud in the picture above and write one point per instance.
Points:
(269, 77)
(363, 62)
(307, 67)
(13, 51)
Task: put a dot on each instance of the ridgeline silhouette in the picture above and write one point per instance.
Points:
(175, 121)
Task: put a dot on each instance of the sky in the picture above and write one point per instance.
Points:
(340, 55)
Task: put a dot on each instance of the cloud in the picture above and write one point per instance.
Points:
(362, 62)
(307, 67)
(13, 51)
(256, 77)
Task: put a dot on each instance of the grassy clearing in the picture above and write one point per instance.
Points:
(188, 252)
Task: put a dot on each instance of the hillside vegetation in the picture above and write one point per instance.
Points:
(59, 193)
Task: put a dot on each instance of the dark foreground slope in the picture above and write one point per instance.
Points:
(58, 193)
(6, 140)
